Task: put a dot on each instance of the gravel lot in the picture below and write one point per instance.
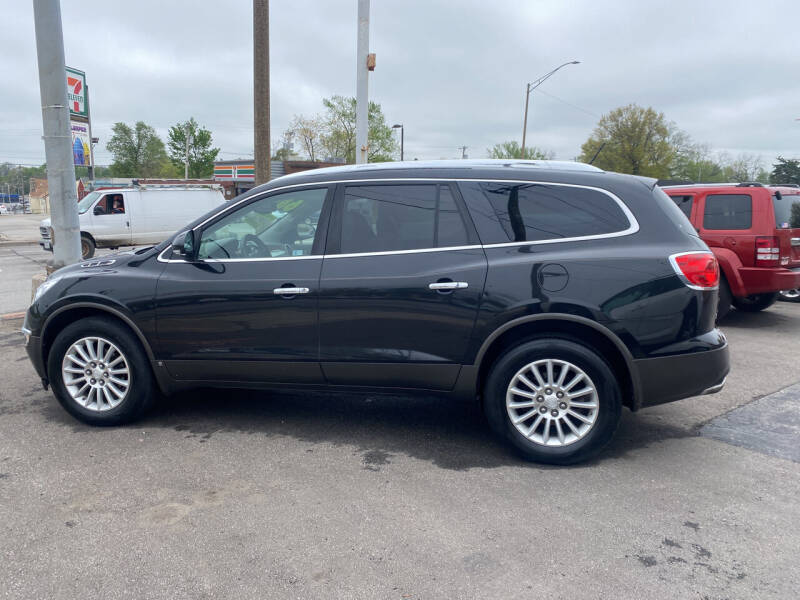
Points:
(258, 495)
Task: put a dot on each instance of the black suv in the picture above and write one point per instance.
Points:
(554, 292)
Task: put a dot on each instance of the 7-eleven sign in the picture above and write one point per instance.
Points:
(76, 93)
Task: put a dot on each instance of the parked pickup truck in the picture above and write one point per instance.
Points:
(754, 231)
(135, 216)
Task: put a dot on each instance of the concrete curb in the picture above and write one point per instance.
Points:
(18, 243)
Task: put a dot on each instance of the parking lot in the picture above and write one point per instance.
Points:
(257, 495)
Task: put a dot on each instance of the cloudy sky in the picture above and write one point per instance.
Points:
(453, 72)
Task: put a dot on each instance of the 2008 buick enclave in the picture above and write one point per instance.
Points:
(553, 292)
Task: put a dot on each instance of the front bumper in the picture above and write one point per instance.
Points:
(33, 346)
(769, 280)
(674, 377)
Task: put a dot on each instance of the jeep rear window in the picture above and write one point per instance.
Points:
(728, 211)
(534, 211)
(787, 211)
(684, 203)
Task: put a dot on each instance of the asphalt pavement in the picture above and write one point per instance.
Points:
(220, 494)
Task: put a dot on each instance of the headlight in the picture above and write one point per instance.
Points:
(45, 285)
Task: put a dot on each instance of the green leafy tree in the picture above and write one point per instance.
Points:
(632, 139)
(786, 170)
(514, 150)
(201, 153)
(138, 151)
(338, 131)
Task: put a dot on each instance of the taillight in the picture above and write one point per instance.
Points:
(768, 251)
(698, 270)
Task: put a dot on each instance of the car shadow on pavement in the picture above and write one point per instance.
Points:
(450, 434)
(761, 320)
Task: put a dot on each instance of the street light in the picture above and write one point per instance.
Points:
(532, 86)
(400, 125)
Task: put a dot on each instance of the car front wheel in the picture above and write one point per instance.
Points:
(555, 400)
(790, 295)
(99, 372)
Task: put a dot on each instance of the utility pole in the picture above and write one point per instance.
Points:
(362, 83)
(463, 151)
(261, 89)
(57, 136)
(186, 158)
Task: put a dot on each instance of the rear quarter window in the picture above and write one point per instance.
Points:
(728, 211)
(537, 212)
(685, 204)
(787, 211)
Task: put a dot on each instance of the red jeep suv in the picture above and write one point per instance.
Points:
(754, 231)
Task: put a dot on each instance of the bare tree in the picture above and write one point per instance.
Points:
(309, 132)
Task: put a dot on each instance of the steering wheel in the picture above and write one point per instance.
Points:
(253, 247)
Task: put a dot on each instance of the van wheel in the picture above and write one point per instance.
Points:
(100, 373)
(87, 246)
(724, 299)
(756, 302)
(554, 400)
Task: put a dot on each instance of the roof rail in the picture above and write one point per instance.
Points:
(750, 184)
(789, 185)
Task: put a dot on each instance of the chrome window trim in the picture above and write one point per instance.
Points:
(632, 222)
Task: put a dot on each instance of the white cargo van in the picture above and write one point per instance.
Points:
(135, 216)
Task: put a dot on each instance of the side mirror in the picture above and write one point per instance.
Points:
(183, 244)
(98, 210)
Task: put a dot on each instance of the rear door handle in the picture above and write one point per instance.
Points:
(448, 285)
(290, 291)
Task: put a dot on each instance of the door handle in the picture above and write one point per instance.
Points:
(290, 291)
(448, 285)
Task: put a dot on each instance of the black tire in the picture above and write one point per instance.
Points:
(142, 390)
(608, 397)
(725, 299)
(790, 295)
(87, 246)
(756, 302)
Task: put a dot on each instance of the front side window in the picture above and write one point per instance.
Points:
(110, 204)
(385, 218)
(283, 225)
(536, 211)
(728, 211)
(684, 203)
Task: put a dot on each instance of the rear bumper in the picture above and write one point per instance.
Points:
(769, 280)
(670, 378)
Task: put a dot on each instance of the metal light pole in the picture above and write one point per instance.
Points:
(400, 125)
(362, 82)
(532, 86)
(57, 136)
(186, 159)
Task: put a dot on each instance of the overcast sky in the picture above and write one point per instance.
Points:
(453, 72)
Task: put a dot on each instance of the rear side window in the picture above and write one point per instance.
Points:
(385, 218)
(787, 211)
(728, 211)
(684, 203)
(535, 211)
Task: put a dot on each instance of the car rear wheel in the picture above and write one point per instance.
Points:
(756, 302)
(87, 247)
(555, 400)
(100, 373)
(790, 295)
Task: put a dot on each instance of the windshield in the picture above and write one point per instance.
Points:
(87, 201)
(787, 211)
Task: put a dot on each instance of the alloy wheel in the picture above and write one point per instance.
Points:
(96, 374)
(552, 402)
